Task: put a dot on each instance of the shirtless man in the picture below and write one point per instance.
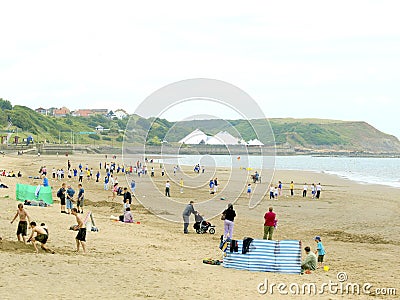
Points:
(41, 237)
(81, 236)
(23, 224)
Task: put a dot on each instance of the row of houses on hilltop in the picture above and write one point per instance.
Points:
(64, 111)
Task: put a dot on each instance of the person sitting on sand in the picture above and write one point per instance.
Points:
(128, 217)
(23, 224)
(81, 236)
(310, 262)
(3, 186)
(41, 237)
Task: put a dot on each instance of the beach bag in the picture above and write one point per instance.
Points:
(223, 216)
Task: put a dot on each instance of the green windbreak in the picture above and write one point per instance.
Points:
(32, 192)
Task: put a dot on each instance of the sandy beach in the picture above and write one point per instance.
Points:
(359, 225)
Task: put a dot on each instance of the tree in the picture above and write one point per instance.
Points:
(5, 104)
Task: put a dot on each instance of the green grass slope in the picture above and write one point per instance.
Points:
(308, 134)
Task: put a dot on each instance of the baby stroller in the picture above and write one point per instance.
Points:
(202, 226)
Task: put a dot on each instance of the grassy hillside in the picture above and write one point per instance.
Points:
(308, 134)
(26, 121)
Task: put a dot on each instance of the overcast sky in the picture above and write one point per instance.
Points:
(302, 59)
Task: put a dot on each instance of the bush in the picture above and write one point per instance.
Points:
(94, 137)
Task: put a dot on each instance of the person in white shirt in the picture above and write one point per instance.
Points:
(318, 189)
(305, 188)
(271, 192)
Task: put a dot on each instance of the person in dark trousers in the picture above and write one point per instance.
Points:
(189, 209)
(318, 189)
(167, 189)
(291, 188)
(61, 195)
(81, 198)
(127, 196)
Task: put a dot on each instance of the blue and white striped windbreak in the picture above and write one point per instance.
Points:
(267, 256)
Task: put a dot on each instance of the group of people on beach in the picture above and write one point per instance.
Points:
(11, 173)
(68, 197)
(270, 220)
(276, 191)
(40, 233)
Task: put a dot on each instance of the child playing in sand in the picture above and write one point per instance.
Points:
(320, 251)
(81, 236)
(128, 217)
(41, 237)
(23, 224)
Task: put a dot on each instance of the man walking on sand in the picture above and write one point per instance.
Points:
(23, 224)
(41, 236)
(81, 236)
(269, 224)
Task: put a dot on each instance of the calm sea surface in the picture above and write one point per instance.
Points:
(385, 171)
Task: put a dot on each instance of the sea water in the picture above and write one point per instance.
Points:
(385, 171)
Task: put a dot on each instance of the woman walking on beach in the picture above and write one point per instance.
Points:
(230, 215)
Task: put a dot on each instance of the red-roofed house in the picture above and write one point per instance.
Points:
(82, 113)
(61, 112)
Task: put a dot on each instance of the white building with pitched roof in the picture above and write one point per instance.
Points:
(223, 138)
(255, 142)
(194, 138)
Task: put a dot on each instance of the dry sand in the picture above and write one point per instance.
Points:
(359, 225)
